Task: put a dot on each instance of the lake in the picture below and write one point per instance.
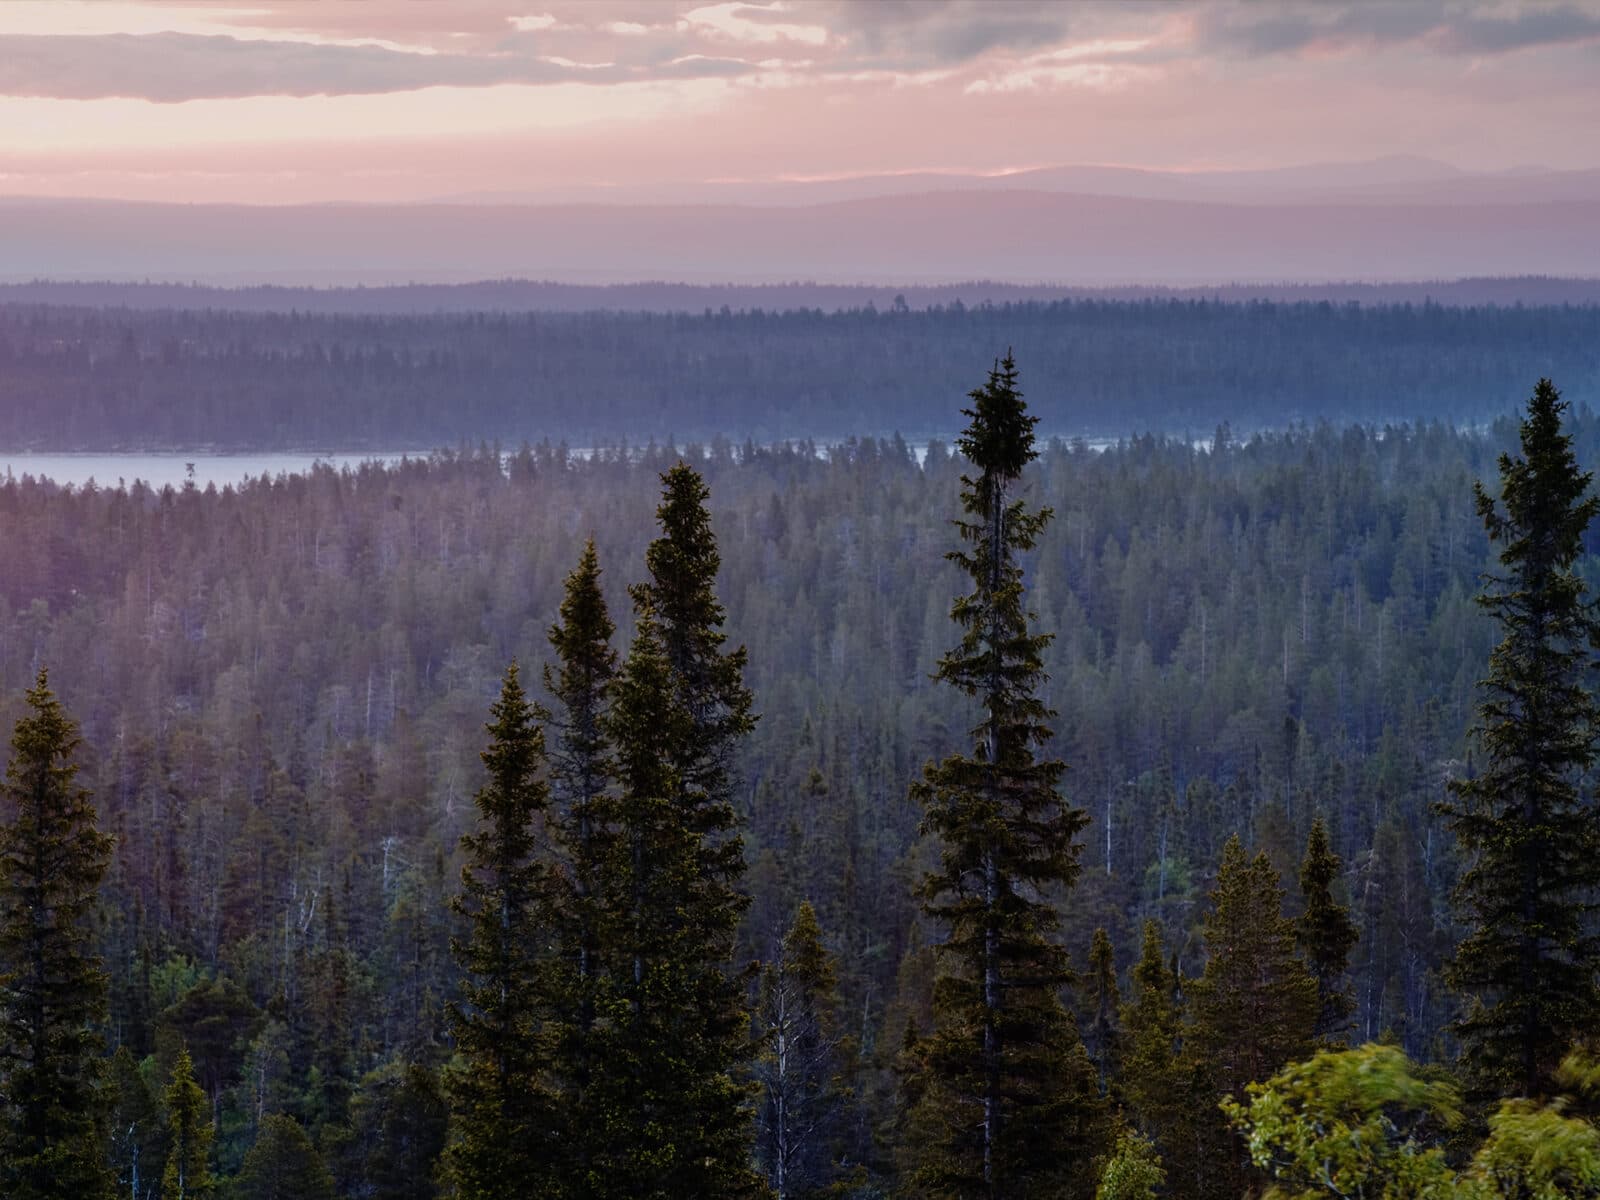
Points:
(158, 470)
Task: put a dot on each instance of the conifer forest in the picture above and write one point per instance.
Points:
(1008, 818)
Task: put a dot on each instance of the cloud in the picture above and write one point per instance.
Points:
(1460, 28)
(915, 33)
(174, 67)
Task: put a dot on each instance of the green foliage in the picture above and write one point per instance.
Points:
(284, 1165)
(506, 1134)
(1017, 1117)
(1349, 1123)
(1134, 1171)
(188, 1171)
(53, 988)
(1536, 1152)
(1366, 1123)
(1325, 933)
(1531, 836)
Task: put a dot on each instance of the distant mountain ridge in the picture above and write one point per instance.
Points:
(1070, 227)
(532, 295)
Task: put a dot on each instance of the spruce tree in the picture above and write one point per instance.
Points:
(665, 1116)
(1325, 933)
(1153, 1071)
(1105, 1034)
(1255, 1006)
(188, 1173)
(53, 992)
(1004, 1085)
(801, 1110)
(580, 768)
(677, 718)
(506, 1138)
(1530, 833)
(284, 1165)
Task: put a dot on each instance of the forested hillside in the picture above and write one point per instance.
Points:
(283, 690)
(80, 378)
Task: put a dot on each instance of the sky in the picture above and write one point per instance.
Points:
(288, 101)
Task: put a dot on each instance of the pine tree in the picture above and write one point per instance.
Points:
(1530, 833)
(665, 1116)
(1105, 1034)
(1325, 933)
(505, 1131)
(580, 769)
(801, 1109)
(1003, 1054)
(188, 1173)
(284, 1165)
(53, 992)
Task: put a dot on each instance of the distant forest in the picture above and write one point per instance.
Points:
(98, 378)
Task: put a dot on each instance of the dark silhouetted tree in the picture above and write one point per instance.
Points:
(54, 987)
(1003, 1057)
(1325, 933)
(506, 1135)
(1530, 833)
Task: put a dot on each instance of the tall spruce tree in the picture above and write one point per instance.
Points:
(666, 1117)
(708, 683)
(53, 992)
(1325, 933)
(712, 717)
(585, 822)
(1004, 1086)
(1530, 833)
(506, 1136)
(189, 1132)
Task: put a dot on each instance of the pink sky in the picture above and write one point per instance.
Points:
(304, 100)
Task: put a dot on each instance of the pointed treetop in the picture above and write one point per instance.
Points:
(999, 435)
(1546, 511)
(584, 618)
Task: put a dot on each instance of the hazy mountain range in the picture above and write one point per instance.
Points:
(1385, 220)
